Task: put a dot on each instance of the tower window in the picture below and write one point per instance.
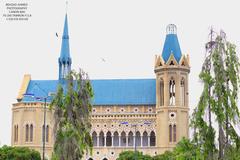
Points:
(26, 132)
(172, 92)
(174, 133)
(170, 133)
(182, 92)
(161, 92)
(31, 133)
(15, 133)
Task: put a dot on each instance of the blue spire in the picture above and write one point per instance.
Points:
(171, 45)
(65, 60)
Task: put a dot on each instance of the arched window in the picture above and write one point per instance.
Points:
(15, 133)
(172, 92)
(130, 138)
(161, 92)
(101, 139)
(26, 133)
(170, 133)
(109, 139)
(115, 139)
(94, 138)
(152, 139)
(174, 133)
(47, 133)
(138, 138)
(123, 139)
(43, 132)
(182, 92)
(145, 138)
(31, 133)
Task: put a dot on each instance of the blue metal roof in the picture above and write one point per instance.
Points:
(171, 45)
(106, 92)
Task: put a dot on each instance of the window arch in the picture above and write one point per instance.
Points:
(130, 138)
(174, 133)
(182, 92)
(101, 139)
(108, 139)
(145, 139)
(152, 139)
(31, 132)
(138, 138)
(115, 139)
(47, 133)
(161, 92)
(15, 132)
(170, 133)
(172, 92)
(26, 132)
(94, 138)
(123, 139)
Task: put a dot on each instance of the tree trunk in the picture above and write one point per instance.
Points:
(220, 141)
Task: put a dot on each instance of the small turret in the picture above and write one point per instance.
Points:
(171, 45)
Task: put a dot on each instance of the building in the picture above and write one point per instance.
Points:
(151, 114)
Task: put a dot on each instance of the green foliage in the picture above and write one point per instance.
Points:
(18, 153)
(131, 155)
(185, 150)
(72, 117)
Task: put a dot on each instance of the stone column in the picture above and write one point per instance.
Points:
(97, 141)
(105, 140)
(119, 140)
(126, 140)
(141, 139)
(112, 141)
(148, 141)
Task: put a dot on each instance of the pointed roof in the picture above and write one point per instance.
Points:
(171, 44)
(65, 51)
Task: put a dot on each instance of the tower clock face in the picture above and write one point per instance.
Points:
(172, 115)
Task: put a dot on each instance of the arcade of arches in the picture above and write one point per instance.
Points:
(123, 139)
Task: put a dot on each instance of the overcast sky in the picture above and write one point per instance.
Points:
(126, 33)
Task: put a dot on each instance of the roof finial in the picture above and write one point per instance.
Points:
(66, 6)
(171, 29)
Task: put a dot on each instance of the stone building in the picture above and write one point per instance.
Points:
(149, 114)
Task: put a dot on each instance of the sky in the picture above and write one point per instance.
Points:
(127, 34)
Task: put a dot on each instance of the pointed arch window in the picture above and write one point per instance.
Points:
(170, 133)
(109, 139)
(94, 138)
(15, 133)
(182, 92)
(145, 139)
(101, 139)
(123, 139)
(161, 92)
(152, 139)
(31, 133)
(26, 132)
(47, 133)
(138, 138)
(115, 139)
(174, 133)
(172, 92)
(130, 138)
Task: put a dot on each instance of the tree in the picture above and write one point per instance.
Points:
(220, 76)
(72, 108)
(18, 153)
(131, 155)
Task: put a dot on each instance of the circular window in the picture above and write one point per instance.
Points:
(172, 115)
(150, 109)
(135, 109)
(94, 110)
(108, 110)
(122, 110)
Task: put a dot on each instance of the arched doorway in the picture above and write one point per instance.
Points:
(105, 159)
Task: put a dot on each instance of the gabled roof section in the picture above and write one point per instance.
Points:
(65, 51)
(106, 92)
(171, 44)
